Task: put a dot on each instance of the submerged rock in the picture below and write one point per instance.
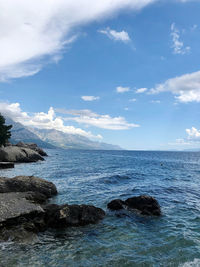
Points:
(147, 205)
(33, 147)
(27, 183)
(19, 154)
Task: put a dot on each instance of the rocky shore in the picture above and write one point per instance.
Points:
(24, 209)
(24, 201)
(20, 153)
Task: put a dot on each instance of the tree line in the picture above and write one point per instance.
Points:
(5, 133)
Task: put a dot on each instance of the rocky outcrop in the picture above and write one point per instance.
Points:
(6, 165)
(32, 146)
(72, 215)
(24, 210)
(19, 154)
(146, 205)
(26, 184)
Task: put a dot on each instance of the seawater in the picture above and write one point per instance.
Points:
(97, 177)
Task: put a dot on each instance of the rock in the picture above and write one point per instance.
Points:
(27, 183)
(72, 215)
(15, 206)
(6, 165)
(24, 212)
(147, 205)
(18, 154)
(116, 204)
(33, 147)
(20, 218)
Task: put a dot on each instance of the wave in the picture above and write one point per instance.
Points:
(115, 179)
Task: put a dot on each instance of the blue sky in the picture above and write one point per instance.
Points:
(122, 72)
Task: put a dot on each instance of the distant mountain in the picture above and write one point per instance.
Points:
(71, 141)
(52, 138)
(21, 133)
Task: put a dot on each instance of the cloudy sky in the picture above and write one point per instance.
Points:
(124, 72)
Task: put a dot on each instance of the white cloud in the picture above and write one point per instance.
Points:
(177, 44)
(141, 90)
(36, 32)
(117, 36)
(133, 100)
(87, 117)
(185, 87)
(193, 134)
(121, 89)
(90, 97)
(156, 101)
(42, 120)
(192, 139)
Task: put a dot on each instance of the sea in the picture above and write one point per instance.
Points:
(122, 238)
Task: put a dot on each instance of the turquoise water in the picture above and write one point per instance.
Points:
(96, 177)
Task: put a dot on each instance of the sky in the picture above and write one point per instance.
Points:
(124, 72)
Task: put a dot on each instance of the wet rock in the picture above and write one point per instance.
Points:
(72, 215)
(33, 147)
(19, 154)
(15, 209)
(27, 183)
(147, 205)
(6, 165)
(116, 204)
(17, 234)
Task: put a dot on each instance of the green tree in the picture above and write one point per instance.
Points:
(5, 133)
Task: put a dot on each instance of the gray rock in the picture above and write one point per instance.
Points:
(15, 205)
(18, 154)
(33, 147)
(27, 183)
(24, 212)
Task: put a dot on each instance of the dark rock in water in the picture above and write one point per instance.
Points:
(19, 154)
(6, 165)
(72, 215)
(27, 183)
(116, 204)
(147, 205)
(33, 147)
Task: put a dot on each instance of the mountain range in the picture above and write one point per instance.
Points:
(51, 138)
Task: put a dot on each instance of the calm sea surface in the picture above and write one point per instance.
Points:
(96, 177)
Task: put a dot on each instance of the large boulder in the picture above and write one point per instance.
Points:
(27, 183)
(72, 215)
(19, 154)
(33, 147)
(20, 218)
(146, 205)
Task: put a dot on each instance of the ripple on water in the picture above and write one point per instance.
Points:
(121, 239)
